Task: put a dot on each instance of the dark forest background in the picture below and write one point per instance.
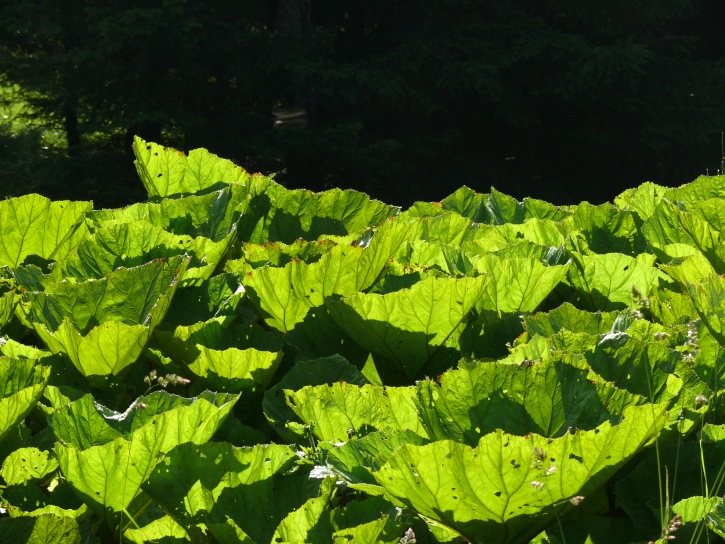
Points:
(565, 100)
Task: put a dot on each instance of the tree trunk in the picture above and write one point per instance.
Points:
(294, 23)
(70, 123)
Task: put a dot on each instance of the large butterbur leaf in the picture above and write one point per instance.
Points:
(290, 299)
(703, 188)
(118, 244)
(339, 411)
(509, 488)
(311, 372)
(44, 529)
(689, 269)
(106, 456)
(517, 284)
(498, 208)
(218, 296)
(224, 357)
(22, 382)
(357, 460)
(469, 204)
(285, 295)
(32, 225)
(201, 226)
(649, 369)
(239, 494)
(102, 325)
(161, 529)
(672, 225)
(165, 171)
(607, 282)
(411, 331)
(450, 229)
(9, 297)
(371, 520)
(27, 464)
(607, 229)
(211, 215)
(643, 199)
(568, 317)
(283, 215)
(547, 398)
(708, 298)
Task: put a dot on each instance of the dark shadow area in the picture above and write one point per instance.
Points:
(563, 101)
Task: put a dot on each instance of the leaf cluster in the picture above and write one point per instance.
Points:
(233, 361)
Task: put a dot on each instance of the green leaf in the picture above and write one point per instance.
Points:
(279, 254)
(27, 464)
(506, 209)
(703, 188)
(673, 225)
(107, 456)
(543, 233)
(671, 308)
(219, 296)
(693, 268)
(411, 331)
(22, 382)
(469, 204)
(102, 325)
(117, 244)
(8, 302)
(325, 370)
(45, 529)
(288, 298)
(165, 171)
(643, 368)
(340, 411)
(517, 284)
(505, 489)
(163, 529)
(32, 225)
(716, 519)
(211, 215)
(283, 215)
(607, 229)
(568, 317)
(708, 298)
(695, 509)
(38, 498)
(224, 358)
(371, 520)
(449, 229)
(605, 282)
(499, 208)
(643, 199)
(311, 521)
(356, 460)
(547, 398)
(240, 494)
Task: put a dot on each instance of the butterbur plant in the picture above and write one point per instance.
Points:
(235, 361)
